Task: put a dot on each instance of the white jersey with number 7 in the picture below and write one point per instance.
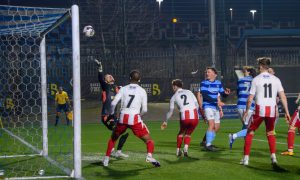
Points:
(133, 103)
(265, 88)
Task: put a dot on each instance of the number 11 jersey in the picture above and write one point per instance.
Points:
(265, 88)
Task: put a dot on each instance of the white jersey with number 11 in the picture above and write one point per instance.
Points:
(265, 88)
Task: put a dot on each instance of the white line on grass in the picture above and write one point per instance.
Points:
(261, 140)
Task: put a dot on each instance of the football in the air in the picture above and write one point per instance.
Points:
(88, 31)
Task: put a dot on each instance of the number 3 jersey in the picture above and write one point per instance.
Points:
(133, 103)
(187, 104)
(243, 89)
(265, 87)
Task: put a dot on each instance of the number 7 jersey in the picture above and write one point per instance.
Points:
(133, 103)
(265, 88)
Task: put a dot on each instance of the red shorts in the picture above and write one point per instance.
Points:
(257, 120)
(139, 129)
(188, 126)
(295, 121)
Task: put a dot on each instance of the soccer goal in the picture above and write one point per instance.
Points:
(31, 147)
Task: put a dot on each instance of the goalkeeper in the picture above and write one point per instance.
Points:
(109, 90)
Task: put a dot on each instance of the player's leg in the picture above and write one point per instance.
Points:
(203, 142)
(210, 133)
(180, 136)
(58, 111)
(214, 126)
(187, 137)
(276, 118)
(242, 133)
(121, 143)
(110, 124)
(270, 123)
(217, 120)
(119, 130)
(248, 139)
(294, 123)
(290, 142)
(67, 111)
(141, 131)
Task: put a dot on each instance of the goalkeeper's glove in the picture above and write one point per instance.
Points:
(99, 64)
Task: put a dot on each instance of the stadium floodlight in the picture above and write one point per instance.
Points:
(231, 13)
(174, 20)
(159, 2)
(253, 11)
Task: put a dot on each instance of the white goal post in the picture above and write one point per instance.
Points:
(29, 112)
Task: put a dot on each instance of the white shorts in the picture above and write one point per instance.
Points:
(249, 116)
(212, 114)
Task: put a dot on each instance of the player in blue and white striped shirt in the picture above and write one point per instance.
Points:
(208, 98)
(243, 88)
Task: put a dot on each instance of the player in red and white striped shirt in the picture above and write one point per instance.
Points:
(293, 124)
(187, 105)
(264, 88)
(133, 105)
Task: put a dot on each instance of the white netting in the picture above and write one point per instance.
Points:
(21, 133)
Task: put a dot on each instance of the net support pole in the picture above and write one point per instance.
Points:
(212, 29)
(246, 52)
(76, 91)
(44, 96)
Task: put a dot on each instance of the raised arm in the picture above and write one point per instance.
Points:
(100, 74)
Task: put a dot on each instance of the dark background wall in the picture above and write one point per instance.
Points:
(137, 34)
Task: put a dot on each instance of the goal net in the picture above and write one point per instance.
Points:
(31, 146)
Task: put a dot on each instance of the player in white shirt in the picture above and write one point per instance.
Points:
(133, 105)
(264, 88)
(187, 105)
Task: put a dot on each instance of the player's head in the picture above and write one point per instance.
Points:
(135, 76)
(211, 73)
(176, 84)
(264, 63)
(60, 89)
(249, 71)
(271, 71)
(109, 79)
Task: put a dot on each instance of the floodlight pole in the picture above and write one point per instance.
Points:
(44, 95)
(212, 25)
(246, 52)
(76, 91)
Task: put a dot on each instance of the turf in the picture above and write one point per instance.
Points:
(223, 164)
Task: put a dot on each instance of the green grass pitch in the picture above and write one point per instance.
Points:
(223, 164)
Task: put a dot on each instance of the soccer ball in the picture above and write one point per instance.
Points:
(88, 31)
(41, 172)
